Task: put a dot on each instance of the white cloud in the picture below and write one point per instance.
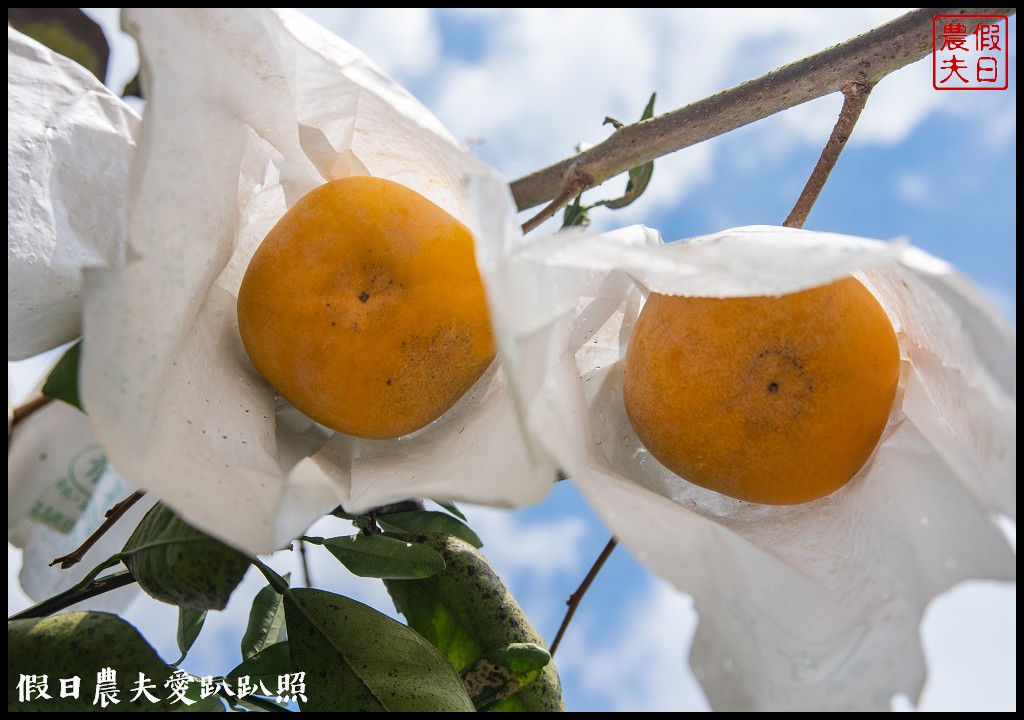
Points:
(547, 79)
(535, 559)
(637, 661)
(543, 547)
(17, 600)
(916, 188)
(403, 41)
(970, 641)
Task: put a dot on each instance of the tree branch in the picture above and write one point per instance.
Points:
(855, 97)
(112, 516)
(22, 412)
(77, 594)
(574, 600)
(864, 60)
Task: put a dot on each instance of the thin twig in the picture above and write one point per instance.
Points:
(574, 600)
(113, 515)
(76, 595)
(865, 59)
(22, 412)
(305, 564)
(855, 96)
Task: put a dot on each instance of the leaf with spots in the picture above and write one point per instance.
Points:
(175, 563)
(266, 666)
(358, 660)
(503, 672)
(80, 644)
(466, 612)
(379, 556)
(429, 521)
(210, 703)
(266, 621)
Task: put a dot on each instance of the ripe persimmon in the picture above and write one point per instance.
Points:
(364, 308)
(776, 400)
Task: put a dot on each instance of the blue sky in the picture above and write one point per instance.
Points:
(526, 86)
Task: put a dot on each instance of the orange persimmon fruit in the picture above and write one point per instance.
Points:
(775, 400)
(364, 308)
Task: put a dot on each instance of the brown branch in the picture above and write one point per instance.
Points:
(864, 60)
(574, 600)
(23, 411)
(76, 595)
(304, 562)
(855, 97)
(113, 515)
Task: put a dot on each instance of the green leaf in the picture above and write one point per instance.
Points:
(466, 612)
(520, 659)
(190, 623)
(211, 703)
(502, 672)
(450, 507)
(639, 177)
(82, 644)
(357, 659)
(378, 556)
(575, 215)
(429, 521)
(62, 383)
(68, 31)
(175, 563)
(266, 621)
(267, 666)
(254, 703)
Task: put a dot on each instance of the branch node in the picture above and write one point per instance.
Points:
(576, 182)
(112, 516)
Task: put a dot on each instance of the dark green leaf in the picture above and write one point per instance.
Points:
(378, 556)
(211, 703)
(67, 31)
(357, 659)
(82, 644)
(466, 611)
(62, 383)
(450, 507)
(502, 672)
(639, 177)
(429, 521)
(190, 623)
(175, 563)
(648, 112)
(266, 621)
(267, 666)
(254, 703)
